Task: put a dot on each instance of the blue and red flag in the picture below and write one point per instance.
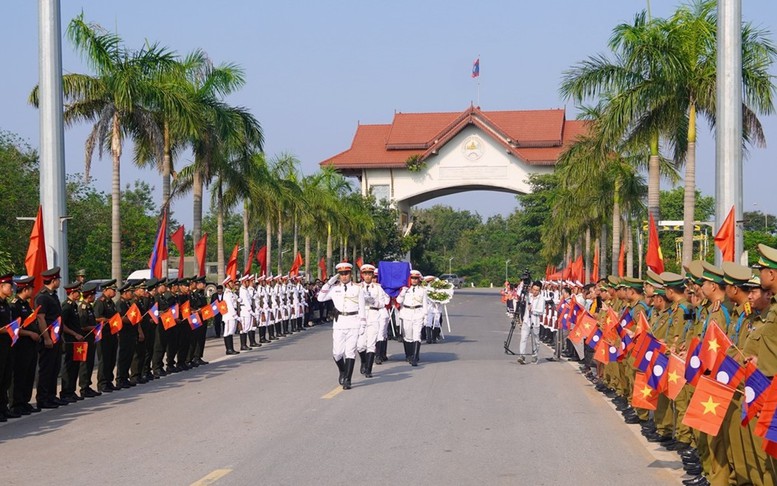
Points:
(98, 332)
(728, 372)
(657, 378)
(693, 369)
(613, 353)
(644, 354)
(55, 330)
(592, 340)
(626, 320)
(159, 254)
(476, 68)
(194, 320)
(13, 330)
(756, 383)
(767, 419)
(174, 311)
(154, 313)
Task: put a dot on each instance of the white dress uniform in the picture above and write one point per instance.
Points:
(244, 298)
(231, 317)
(415, 307)
(535, 307)
(376, 300)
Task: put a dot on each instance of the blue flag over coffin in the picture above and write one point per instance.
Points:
(393, 276)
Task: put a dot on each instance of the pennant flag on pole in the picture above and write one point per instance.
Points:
(13, 330)
(654, 258)
(476, 68)
(708, 406)
(322, 268)
(232, 264)
(178, 240)
(675, 376)
(31, 318)
(643, 396)
(115, 324)
(35, 261)
(725, 238)
(359, 263)
(261, 258)
(55, 330)
(200, 252)
(250, 259)
(756, 383)
(296, 265)
(159, 254)
(79, 351)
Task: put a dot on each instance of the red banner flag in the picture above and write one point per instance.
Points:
(622, 261)
(725, 238)
(159, 254)
(708, 406)
(200, 252)
(79, 351)
(595, 269)
(249, 260)
(232, 264)
(133, 314)
(298, 262)
(261, 257)
(322, 268)
(654, 258)
(115, 324)
(35, 261)
(178, 240)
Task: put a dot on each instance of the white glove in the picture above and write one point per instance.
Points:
(333, 280)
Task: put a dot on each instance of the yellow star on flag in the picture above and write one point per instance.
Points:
(709, 406)
(133, 313)
(646, 392)
(673, 377)
(79, 350)
(713, 345)
(114, 324)
(587, 326)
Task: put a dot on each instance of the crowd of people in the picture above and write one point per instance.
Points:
(689, 358)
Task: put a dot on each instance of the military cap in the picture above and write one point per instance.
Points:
(88, 289)
(227, 280)
(161, 281)
(183, 281)
(653, 279)
(415, 274)
(72, 287)
(150, 284)
(127, 287)
(23, 283)
(172, 281)
(81, 273)
(633, 283)
(200, 279)
(767, 256)
(111, 284)
(367, 268)
(613, 281)
(660, 291)
(672, 279)
(695, 271)
(6, 278)
(712, 273)
(753, 283)
(735, 274)
(343, 267)
(50, 274)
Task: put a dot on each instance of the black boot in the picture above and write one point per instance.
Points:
(349, 364)
(379, 352)
(271, 332)
(408, 350)
(416, 353)
(370, 360)
(363, 359)
(429, 333)
(341, 366)
(263, 335)
(252, 339)
(384, 351)
(286, 329)
(300, 323)
(436, 334)
(278, 330)
(230, 345)
(244, 342)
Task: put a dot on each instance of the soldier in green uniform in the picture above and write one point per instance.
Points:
(89, 325)
(24, 352)
(6, 359)
(636, 306)
(49, 353)
(659, 325)
(129, 336)
(164, 299)
(107, 348)
(146, 330)
(72, 333)
(198, 300)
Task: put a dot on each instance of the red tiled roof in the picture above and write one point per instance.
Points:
(538, 136)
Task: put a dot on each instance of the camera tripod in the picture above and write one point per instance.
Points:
(535, 349)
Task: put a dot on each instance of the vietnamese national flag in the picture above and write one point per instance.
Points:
(756, 383)
(728, 372)
(296, 264)
(610, 325)
(261, 258)
(587, 323)
(186, 310)
(159, 254)
(79, 351)
(133, 314)
(55, 330)
(98, 332)
(31, 318)
(713, 346)
(200, 252)
(154, 313)
(195, 320)
(209, 311)
(708, 406)
(35, 261)
(232, 264)
(223, 308)
(359, 263)
(168, 319)
(602, 352)
(675, 376)
(693, 366)
(322, 268)
(643, 396)
(725, 238)
(643, 326)
(115, 323)
(249, 260)
(658, 376)
(13, 330)
(654, 258)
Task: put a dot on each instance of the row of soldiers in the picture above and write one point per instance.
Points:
(680, 309)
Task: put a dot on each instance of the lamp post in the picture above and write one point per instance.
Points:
(506, 262)
(449, 264)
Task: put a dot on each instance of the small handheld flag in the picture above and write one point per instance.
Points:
(708, 406)
(31, 318)
(168, 319)
(223, 308)
(194, 320)
(209, 311)
(756, 383)
(79, 351)
(154, 313)
(175, 311)
(55, 330)
(133, 314)
(115, 323)
(13, 330)
(98, 332)
(186, 310)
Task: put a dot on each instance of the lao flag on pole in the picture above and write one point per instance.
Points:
(98, 332)
(55, 330)
(154, 313)
(693, 363)
(657, 378)
(79, 351)
(13, 330)
(728, 372)
(194, 320)
(756, 383)
(476, 68)
(646, 351)
(767, 419)
(210, 310)
(174, 311)
(593, 340)
(613, 353)
(159, 254)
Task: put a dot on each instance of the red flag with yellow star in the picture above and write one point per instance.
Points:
(643, 396)
(675, 376)
(601, 352)
(115, 324)
(714, 346)
(79, 351)
(168, 319)
(708, 406)
(133, 314)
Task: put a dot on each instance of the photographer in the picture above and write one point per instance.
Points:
(534, 307)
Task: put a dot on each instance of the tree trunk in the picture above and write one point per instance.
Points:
(280, 243)
(268, 243)
(603, 252)
(296, 235)
(220, 232)
(654, 178)
(167, 165)
(307, 258)
(587, 256)
(246, 236)
(116, 201)
(689, 197)
(616, 234)
(197, 190)
(318, 253)
(629, 249)
(329, 248)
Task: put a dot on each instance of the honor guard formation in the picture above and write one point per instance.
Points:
(145, 330)
(690, 359)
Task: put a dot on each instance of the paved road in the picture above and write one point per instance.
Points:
(467, 415)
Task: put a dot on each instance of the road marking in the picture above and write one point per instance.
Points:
(212, 477)
(333, 393)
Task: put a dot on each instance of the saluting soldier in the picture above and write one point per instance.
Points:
(49, 354)
(89, 324)
(107, 348)
(6, 359)
(72, 333)
(25, 350)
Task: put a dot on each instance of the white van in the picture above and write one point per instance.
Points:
(145, 274)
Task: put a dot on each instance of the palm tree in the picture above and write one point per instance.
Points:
(119, 100)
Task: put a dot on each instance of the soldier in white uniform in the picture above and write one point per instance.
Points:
(246, 311)
(350, 319)
(413, 314)
(382, 344)
(231, 317)
(254, 312)
(376, 300)
(433, 317)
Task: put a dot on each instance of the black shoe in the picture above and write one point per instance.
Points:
(68, 398)
(689, 453)
(9, 413)
(632, 420)
(60, 402)
(341, 367)
(349, 364)
(693, 469)
(89, 393)
(142, 380)
(156, 375)
(679, 447)
(47, 404)
(697, 481)
(183, 367)
(202, 362)
(33, 409)
(171, 369)
(370, 361)
(21, 410)
(106, 389)
(653, 437)
(363, 360)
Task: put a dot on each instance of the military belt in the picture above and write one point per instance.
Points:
(413, 307)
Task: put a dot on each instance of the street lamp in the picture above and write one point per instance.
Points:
(506, 262)
(449, 264)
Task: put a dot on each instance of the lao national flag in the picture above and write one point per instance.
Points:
(626, 320)
(154, 313)
(593, 340)
(79, 351)
(756, 383)
(648, 347)
(693, 363)
(573, 312)
(657, 378)
(626, 345)
(98, 332)
(613, 353)
(209, 311)
(728, 372)
(476, 68)
(223, 308)
(194, 320)
(55, 330)
(13, 330)
(174, 311)
(767, 419)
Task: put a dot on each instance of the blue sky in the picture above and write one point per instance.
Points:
(315, 69)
